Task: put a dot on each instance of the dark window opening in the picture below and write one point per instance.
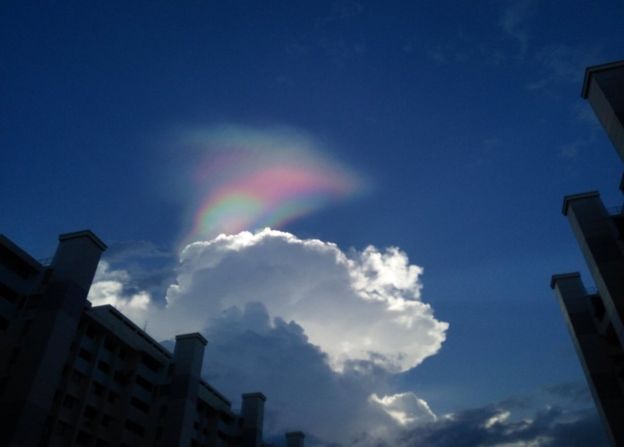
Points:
(106, 420)
(98, 389)
(135, 428)
(90, 412)
(112, 397)
(143, 383)
(26, 326)
(9, 294)
(85, 355)
(4, 323)
(104, 367)
(14, 355)
(83, 438)
(150, 362)
(109, 345)
(69, 401)
(139, 405)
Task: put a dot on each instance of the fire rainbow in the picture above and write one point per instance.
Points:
(251, 179)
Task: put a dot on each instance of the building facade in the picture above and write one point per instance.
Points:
(76, 375)
(596, 319)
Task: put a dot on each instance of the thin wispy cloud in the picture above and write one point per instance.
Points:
(562, 63)
(514, 21)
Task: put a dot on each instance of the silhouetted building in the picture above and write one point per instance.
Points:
(76, 375)
(596, 319)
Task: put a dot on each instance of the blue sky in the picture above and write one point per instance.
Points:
(463, 120)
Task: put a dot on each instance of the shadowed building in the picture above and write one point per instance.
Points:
(596, 319)
(76, 375)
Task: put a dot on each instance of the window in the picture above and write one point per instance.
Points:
(33, 301)
(121, 377)
(14, 355)
(90, 412)
(109, 345)
(98, 388)
(107, 420)
(9, 294)
(83, 438)
(76, 377)
(62, 428)
(134, 428)
(112, 397)
(69, 401)
(4, 380)
(26, 326)
(123, 353)
(139, 405)
(4, 323)
(143, 383)
(90, 332)
(150, 362)
(104, 367)
(165, 390)
(85, 355)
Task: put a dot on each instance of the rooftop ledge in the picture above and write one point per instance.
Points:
(555, 278)
(571, 197)
(192, 335)
(254, 396)
(295, 434)
(589, 71)
(84, 233)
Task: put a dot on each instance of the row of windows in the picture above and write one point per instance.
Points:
(91, 413)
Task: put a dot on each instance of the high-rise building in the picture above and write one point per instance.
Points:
(596, 319)
(76, 375)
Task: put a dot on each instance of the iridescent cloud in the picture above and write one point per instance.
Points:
(249, 178)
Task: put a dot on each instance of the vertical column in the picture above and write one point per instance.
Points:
(603, 89)
(294, 439)
(188, 357)
(598, 239)
(43, 350)
(595, 352)
(252, 413)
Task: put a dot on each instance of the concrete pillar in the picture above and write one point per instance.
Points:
(294, 439)
(252, 413)
(594, 349)
(604, 89)
(598, 239)
(188, 357)
(55, 311)
(77, 257)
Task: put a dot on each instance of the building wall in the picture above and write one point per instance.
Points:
(76, 375)
(596, 320)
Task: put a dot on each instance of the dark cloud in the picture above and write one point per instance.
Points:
(124, 251)
(149, 268)
(552, 426)
(249, 351)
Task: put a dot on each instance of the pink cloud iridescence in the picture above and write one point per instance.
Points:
(250, 179)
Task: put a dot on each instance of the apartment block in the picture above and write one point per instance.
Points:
(76, 375)
(595, 318)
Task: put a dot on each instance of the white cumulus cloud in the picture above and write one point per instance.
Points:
(405, 408)
(319, 330)
(362, 305)
(108, 288)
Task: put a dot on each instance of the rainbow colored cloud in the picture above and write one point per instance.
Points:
(248, 179)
